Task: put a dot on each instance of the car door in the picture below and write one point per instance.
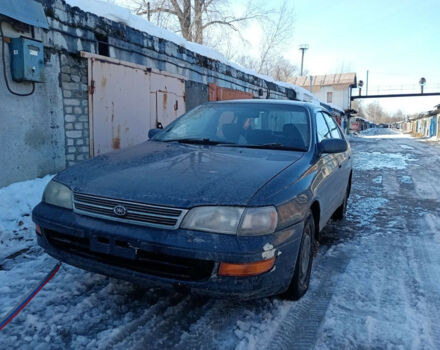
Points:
(343, 170)
(327, 172)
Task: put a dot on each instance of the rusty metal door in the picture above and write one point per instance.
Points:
(119, 105)
(167, 96)
(126, 100)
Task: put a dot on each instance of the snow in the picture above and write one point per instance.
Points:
(371, 132)
(125, 16)
(16, 203)
(380, 160)
(382, 133)
(374, 282)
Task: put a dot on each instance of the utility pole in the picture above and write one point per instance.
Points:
(148, 11)
(303, 48)
(366, 85)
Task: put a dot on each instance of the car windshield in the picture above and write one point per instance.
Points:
(253, 125)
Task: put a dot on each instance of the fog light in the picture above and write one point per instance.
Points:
(38, 229)
(245, 269)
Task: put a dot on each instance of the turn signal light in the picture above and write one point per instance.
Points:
(245, 269)
(38, 229)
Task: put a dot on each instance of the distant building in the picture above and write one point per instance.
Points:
(332, 89)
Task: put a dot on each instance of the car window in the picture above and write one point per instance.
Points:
(322, 128)
(252, 124)
(334, 129)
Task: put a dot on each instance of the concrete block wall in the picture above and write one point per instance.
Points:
(31, 127)
(73, 78)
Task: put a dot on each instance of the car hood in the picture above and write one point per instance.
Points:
(179, 175)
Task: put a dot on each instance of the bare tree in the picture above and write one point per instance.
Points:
(212, 21)
(399, 115)
(276, 38)
(358, 106)
(377, 114)
(195, 17)
(282, 70)
(278, 35)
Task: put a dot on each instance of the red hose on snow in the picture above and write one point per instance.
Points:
(28, 297)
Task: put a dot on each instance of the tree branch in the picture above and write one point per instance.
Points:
(157, 10)
(229, 22)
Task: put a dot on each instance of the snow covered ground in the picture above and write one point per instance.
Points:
(374, 282)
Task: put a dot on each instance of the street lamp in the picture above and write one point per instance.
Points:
(360, 84)
(422, 83)
(303, 48)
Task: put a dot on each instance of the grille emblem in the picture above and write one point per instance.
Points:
(120, 210)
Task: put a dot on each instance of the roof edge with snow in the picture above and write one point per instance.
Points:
(124, 16)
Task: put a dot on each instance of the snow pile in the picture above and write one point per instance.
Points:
(125, 16)
(16, 204)
(371, 132)
(378, 160)
(382, 132)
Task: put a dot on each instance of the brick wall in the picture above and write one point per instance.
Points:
(73, 78)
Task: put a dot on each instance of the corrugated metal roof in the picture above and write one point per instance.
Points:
(25, 11)
(325, 80)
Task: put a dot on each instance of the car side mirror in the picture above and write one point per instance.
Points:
(153, 132)
(333, 146)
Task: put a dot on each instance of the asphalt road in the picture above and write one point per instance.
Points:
(375, 281)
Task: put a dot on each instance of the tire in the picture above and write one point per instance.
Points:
(340, 213)
(303, 267)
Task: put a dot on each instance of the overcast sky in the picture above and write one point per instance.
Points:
(398, 41)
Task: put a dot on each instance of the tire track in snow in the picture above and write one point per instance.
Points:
(426, 288)
(129, 331)
(202, 334)
(167, 326)
(221, 326)
(301, 325)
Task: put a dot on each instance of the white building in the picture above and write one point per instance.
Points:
(332, 89)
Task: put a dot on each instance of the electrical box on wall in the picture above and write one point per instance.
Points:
(27, 59)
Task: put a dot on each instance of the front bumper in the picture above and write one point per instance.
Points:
(167, 258)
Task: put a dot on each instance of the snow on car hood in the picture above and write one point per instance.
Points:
(179, 175)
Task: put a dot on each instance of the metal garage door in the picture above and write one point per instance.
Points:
(167, 99)
(126, 100)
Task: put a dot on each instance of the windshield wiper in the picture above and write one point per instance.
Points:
(278, 146)
(204, 141)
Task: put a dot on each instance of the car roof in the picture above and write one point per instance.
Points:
(270, 101)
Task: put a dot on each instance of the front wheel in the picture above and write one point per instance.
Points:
(303, 267)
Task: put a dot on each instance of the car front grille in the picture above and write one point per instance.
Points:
(152, 263)
(135, 212)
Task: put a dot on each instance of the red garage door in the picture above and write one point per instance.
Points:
(217, 93)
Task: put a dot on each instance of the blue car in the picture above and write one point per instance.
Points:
(228, 200)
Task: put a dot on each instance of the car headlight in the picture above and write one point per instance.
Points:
(214, 219)
(232, 220)
(258, 221)
(58, 194)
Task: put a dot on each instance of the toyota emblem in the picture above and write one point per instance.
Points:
(120, 210)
